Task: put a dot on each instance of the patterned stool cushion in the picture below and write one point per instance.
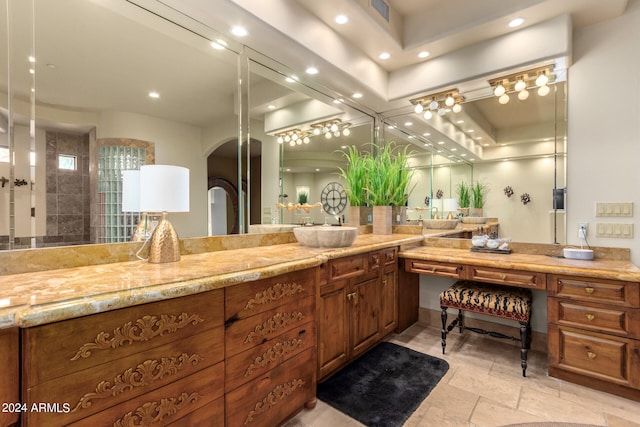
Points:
(500, 301)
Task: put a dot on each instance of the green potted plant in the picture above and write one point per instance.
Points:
(478, 192)
(355, 176)
(388, 185)
(463, 190)
(303, 197)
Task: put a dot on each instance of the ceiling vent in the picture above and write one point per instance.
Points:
(382, 8)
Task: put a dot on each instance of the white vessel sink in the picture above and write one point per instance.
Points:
(474, 219)
(325, 236)
(440, 224)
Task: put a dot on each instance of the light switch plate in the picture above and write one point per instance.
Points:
(614, 209)
(608, 229)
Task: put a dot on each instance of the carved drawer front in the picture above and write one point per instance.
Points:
(165, 405)
(435, 268)
(253, 363)
(209, 415)
(255, 297)
(344, 268)
(605, 357)
(53, 350)
(271, 398)
(241, 335)
(500, 276)
(597, 290)
(390, 256)
(103, 386)
(375, 261)
(609, 319)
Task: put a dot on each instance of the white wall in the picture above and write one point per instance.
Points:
(175, 144)
(604, 125)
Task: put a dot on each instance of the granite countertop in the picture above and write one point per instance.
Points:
(604, 268)
(30, 299)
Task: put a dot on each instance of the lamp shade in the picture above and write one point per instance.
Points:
(164, 188)
(131, 191)
(450, 205)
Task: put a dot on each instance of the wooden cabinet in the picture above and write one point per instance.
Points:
(594, 333)
(9, 360)
(270, 349)
(116, 367)
(356, 308)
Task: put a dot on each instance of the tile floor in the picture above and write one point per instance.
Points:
(484, 387)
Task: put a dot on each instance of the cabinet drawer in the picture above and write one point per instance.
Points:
(390, 256)
(435, 268)
(273, 397)
(161, 406)
(605, 357)
(57, 349)
(103, 386)
(209, 415)
(596, 290)
(253, 363)
(256, 297)
(347, 267)
(247, 333)
(501, 276)
(602, 318)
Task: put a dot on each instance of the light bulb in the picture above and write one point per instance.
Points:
(287, 138)
(299, 141)
(306, 140)
(523, 95)
(433, 105)
(457, 108)
(442, 112)
(449, 101)
(325, 129)
(334, 127)
(316, 131)
(428, 114)
(292, 143)
(294, 136)
(542, 79)
(418, 108)
(280, 140)
(327, 135)
(520, 85)
(336, 133)
(499, 90)
(543, 90)
(503, 99)
(346, 132)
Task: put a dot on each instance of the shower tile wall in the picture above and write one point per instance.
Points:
(68, 191)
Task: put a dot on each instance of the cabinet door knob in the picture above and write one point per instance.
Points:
(433, 269)
(503, 276)
(590, 317)
(589, 290)
(591, 355)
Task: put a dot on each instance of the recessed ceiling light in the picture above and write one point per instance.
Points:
(288, 169)
(342, 19)
(411, 137)
(154, 95)
(426, 134)
(463, 155)
(454, 149)
(478, 138)
(311, 70)
(217, 46)
(271, 107)
(32, 59)
(391, 127)
(423, 54)
(317, 170)
(239, 31)
(384, 55)
(408, 123)
(440, 142)
(516, 22)
(471, 130)
(338, 101)
(460, 121)
(357, 95)
(503, 145)
(485, 145)
(343, 146)
(291, 79)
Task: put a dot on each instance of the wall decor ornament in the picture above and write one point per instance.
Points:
(525, 198)
(439, 194)
(508, 191)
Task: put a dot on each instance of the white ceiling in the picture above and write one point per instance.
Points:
(95, 55)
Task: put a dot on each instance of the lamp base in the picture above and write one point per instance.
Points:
(165, 245)
(143, 229)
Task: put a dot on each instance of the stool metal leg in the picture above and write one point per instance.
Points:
(460, 321)
(443, 316)
(525, 341)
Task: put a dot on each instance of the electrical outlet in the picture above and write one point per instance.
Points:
(582, 230)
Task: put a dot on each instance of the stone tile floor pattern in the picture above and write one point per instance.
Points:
(484, 387)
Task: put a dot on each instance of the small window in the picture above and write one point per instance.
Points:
(67, 162)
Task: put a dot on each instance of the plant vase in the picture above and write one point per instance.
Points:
(399, 215)
(358, 215)
(382, 219)
(475, 212)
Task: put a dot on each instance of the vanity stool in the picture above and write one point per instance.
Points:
(506, 302)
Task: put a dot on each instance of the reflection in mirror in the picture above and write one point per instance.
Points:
(112, 87)
(517, 149)
(307, 130)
